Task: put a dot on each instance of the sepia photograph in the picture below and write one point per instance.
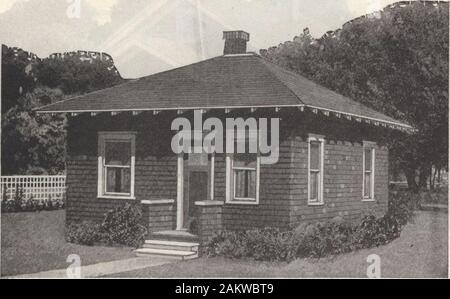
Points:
(190, 140)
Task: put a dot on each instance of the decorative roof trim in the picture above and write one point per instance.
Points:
(164, 109)
(315, 109)
(358, 116)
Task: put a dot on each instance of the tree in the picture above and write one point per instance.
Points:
(73, 75)
(33, 143)
(395, 62)
(16, 76)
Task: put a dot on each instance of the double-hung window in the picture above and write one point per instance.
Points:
(368, 171)
(315, 170)
(242, 171)
(116, 164)
(245, 172)
(243, 178)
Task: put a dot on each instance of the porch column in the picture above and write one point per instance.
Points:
(180, 188)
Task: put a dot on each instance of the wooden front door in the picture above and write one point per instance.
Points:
(196, 185)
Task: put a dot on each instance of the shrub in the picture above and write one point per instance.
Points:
(371, 232)
(321, 239)
(230, 244)
(19, 203)
(391, 225)
(85, 233)
(313, 239)
(269, 244)
(122, 226)
(401, 207)
(18, 199)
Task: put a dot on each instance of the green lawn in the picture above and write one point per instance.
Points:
(34, 242)
(421, 251)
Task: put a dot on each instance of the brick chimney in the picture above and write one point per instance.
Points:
(235, 42)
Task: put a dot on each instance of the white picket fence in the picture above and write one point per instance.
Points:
(39, 187)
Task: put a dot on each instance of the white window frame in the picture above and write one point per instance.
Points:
(212, 176)
(230, 191)
(321, 141)
(104, 137)
(367, 145)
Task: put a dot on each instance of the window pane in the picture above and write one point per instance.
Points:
(367, 184)
(368, 159)
(245, 183)
(314, 155)
(118, 153)
(314, 185)
(245, 160)
(118, 180)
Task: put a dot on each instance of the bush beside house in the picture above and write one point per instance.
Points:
(121, 226)
(316, 240)
(20, 203)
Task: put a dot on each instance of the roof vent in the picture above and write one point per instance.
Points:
(235, 42)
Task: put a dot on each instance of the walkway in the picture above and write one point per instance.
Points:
(102, 269)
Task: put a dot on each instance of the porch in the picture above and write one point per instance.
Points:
(172, 243)
(164, 222)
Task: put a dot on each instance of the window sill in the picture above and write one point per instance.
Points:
(157, 201)
(315, 203)
(115, 197)
(209, 203)
(236, 202)
(368, 199)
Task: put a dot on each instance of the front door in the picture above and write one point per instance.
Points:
(196, 184)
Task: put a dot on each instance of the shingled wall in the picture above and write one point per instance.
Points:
(342, 182)
(283, 186)
(155, 171)
(155, 180)
(273, 208)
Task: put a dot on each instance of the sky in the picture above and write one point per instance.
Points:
(149, 36)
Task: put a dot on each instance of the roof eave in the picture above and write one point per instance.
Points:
(302, 107)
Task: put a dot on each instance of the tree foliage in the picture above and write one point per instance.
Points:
(34, 143)
(395, 61)
(16, 78)
(73, 75)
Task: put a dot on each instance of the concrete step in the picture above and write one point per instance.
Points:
(171, 245)
(178, 254)
(173, 235)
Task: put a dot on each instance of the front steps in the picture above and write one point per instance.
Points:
(177, 254)
(174, 235)
(174, 244)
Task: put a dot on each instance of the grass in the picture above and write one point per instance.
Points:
(421, 251)
(437, 196)
(34, 242)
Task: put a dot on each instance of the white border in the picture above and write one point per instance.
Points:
(320, 200)
(231, 199)
(102, 137)
(369, 145)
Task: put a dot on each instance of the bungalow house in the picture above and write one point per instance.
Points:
(331, 160)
